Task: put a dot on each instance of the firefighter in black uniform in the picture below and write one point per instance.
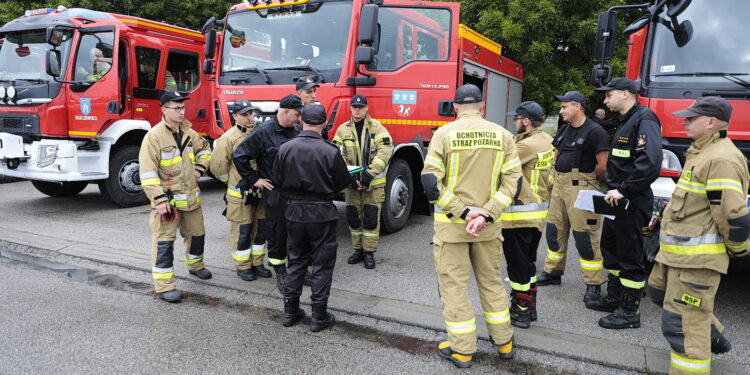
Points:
(633, 164)
(262, 145)
(310, 171)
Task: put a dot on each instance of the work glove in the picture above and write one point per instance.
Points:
(243, 186)
(366, 179)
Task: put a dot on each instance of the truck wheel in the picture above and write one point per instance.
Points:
(60, 189)
(398, 197)
(123, 187)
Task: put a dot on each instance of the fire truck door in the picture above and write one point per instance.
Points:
(95, 96)
(145, 90)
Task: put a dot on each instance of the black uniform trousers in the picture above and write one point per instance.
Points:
(311, 243)
(276, 227)
(622, 241)
(519, 246)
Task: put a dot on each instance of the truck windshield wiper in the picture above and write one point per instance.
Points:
(732, 77)
(303, 67)
(253, 70)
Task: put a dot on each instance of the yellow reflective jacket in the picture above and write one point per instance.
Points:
(531, 202)
(471, 163)
(221, 160)
(707, 218)
(164, 168)
(352, 147)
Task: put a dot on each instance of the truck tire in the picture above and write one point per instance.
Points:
(123, 187)
(60, 189)
(398, 197)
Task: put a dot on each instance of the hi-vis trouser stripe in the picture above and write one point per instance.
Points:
(162, 273)
(435, 163)
(690, 365)
(356, 232)
(149, 178)
(233, 191)
(554, 255)
(259, 249)
(531, 211)
(497, 317)
(520, 287)
(370, 233)
(724, 184)
(170, 158)
(632, 284)
(190, 258)
(461, 327)
(241, 255)
(276, 262)
(712, 243)
(591, 265)
(223, 178)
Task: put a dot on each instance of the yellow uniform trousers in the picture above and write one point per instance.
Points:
(246, 239)
(190, 224)
(687, 320)
(454, 263)
(363, 216)
(563, 217)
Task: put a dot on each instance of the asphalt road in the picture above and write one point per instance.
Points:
(404, 262)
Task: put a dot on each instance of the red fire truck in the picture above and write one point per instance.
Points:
(680, 50)
(407, 57)
(78, 91)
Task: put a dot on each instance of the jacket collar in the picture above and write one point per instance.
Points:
(366, 119)
(184, 125)
(706, 140)
(529, 134)
(469, 114)
(309, 134)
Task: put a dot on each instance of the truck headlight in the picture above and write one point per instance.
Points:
(2, 92)
(11, 91)
(47, 155)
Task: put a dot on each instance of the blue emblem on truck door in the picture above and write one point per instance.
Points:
(85, 106)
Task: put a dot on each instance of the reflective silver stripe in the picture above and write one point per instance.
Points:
(711, 238)
(380, 175)
(223, 177)
(190, 149)
(147, 175)
(170, 155)
(191, 256)
(258, 247)
(438, 210)
(197, 194)
(180, 197)
(528, 207)
(242, 253)
(204, 152)
(232, 188)
(381, 136)
(162, 270)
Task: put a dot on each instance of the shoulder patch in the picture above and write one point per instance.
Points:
(641, 143)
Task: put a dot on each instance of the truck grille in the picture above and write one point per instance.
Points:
(19, 124)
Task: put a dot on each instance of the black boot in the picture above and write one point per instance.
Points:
(532, 314)
(369, 260)
(611, 301)
(719, 343)
(280, 277)
(520, 309)
(321, 318)
(356, 257)
(548, 279)
(593, 293)
(261, 271)
(247, 275)
(628, 314)
(292, 312)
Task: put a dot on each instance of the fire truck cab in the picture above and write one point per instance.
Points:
(79, 89)
(407, 57)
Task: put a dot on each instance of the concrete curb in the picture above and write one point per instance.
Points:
(608, 353)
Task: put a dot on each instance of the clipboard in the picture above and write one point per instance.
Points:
(603, 208)
(354, 169)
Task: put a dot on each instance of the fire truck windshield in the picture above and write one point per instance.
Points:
(23, 55)
(277, 45)
(717, 53)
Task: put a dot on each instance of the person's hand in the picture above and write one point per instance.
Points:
(162, 208)
(365, 181)
(612, 197)
(263, 183)
(361, 187)
(197, 175)
(473, 214)
(476, 225)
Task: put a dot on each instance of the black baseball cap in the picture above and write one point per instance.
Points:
(359, 100)
(241, 106)
(572, 96)
(620, 83)
(530, 110)
(711, 106)
(313, 114)
(291, 102)
(171, 96)
(467, 94)
(304, 83)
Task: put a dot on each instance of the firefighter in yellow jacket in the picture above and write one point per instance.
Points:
(247, 240)
(172, 159)
(364, 142)
(523, 221)
(470, 175)
(705, 223)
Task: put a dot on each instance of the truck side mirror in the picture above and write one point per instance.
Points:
(364, 55)
(677, 9)
(601, 75)
(54, 36)
(208, 25)
(368, 24)
(208, 67)
(605, 35)
(637, 25)
(210, 44)
(682, 33)
(52, 63)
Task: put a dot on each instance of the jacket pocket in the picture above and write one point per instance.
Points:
(237, 211)
(677, 204)
(170, 161)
